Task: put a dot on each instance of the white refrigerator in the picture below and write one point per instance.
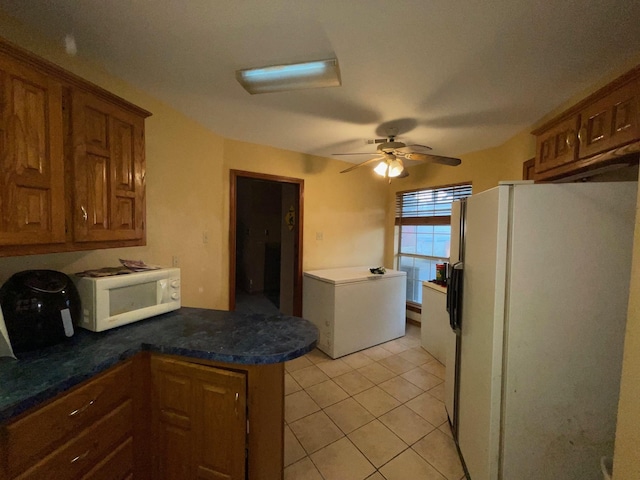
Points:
(538, 305)
(353, 308)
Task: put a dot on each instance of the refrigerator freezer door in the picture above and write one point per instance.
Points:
(482, 331)
(450, 376)
(452, 339)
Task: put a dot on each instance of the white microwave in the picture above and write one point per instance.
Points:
(109, 302)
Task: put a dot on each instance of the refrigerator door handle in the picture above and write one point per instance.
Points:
(454, 296)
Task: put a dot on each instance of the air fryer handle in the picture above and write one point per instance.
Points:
(454, 295)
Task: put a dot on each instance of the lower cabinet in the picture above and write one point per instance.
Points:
(199, 421)
(75, 435)
(213, 420)
(155, 417)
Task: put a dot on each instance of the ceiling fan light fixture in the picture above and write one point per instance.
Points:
(294, 76)
(395, 168)
(381, 168)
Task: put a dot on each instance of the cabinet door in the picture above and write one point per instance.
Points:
(557, 146)
(611, 122)
(31, 156)
(199, 416)
(528, 169)
(108, 171)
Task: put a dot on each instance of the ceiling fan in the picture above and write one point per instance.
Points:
(390, 156)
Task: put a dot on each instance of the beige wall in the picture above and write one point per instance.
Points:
(188, 194)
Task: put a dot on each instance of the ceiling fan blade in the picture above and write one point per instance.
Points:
(426, 157)
(361, 153)
(366, 162)
(414, 149)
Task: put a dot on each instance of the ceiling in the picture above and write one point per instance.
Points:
(457, 75)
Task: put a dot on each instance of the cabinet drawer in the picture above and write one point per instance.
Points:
(118, 465)
(87, 449)
(35, 435)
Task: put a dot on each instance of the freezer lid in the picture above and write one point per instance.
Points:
(339, 276)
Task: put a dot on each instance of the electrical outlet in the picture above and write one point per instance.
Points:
(319, 235)
(175, 261)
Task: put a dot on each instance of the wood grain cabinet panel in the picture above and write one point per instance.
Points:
(598, 132)
(33, 436)
(199, 420)
(557, 146)
(117, 465)
(78, 432)
(80, 454)
(611, 122)
(108, 167)
(72, 164)
(31, 156)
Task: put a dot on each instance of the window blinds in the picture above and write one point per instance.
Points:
(429, 206)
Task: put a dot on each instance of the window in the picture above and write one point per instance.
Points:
(424, 221)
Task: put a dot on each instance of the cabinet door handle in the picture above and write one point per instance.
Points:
(582, 135)
(78, 411)
(84, 213)
(82, 456)
(570, 139)
(236, 404)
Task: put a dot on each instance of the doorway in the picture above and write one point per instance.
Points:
(265, 243)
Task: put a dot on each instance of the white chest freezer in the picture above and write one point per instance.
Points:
(353, 308)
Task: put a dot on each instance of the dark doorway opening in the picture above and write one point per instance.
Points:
(265, 270)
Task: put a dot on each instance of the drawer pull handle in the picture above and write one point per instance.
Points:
(85, 217)
(81, 456)
(78, 411)
(236, 404)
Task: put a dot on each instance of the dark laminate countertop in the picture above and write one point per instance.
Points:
(190, 332)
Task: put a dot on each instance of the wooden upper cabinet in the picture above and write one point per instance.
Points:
(72, 163)
(31, 156)
(557, 146)
(601, 130)
(108, 171)
(610, 122)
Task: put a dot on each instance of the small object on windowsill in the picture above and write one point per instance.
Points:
(442, 283)
(378, 270)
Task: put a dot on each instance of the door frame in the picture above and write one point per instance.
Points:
(233, 208)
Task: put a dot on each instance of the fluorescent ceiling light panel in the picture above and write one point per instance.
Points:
(280, 78)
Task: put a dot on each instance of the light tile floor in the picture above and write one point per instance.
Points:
(377, 414)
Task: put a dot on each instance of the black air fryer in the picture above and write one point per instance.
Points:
(39, 308)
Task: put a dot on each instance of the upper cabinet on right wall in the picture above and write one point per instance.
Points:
(601, 130)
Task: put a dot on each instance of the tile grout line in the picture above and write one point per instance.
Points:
(408, 347)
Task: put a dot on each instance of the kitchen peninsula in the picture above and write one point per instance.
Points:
(188, 393)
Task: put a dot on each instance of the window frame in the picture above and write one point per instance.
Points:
(459, 190)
